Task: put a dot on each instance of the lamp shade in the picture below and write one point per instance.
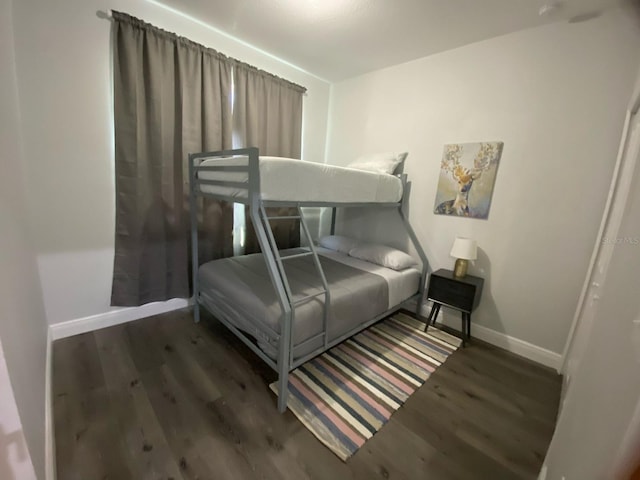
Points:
(464, 248)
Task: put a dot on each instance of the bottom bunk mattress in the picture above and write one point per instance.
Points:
(239, 290)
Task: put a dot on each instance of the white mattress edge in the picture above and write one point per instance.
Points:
(400, 282)
(286, 179)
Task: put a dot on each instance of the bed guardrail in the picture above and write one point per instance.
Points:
(244, 189)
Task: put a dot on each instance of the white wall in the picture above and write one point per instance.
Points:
(604, 391)
(64, 71)
(556, 95)
(15, 460)
(23, 328)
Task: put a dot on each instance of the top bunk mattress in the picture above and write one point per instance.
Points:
(291, 180)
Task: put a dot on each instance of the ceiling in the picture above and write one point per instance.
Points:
(338, 39)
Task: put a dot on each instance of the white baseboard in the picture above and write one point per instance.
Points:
(502, 340)
(49, 432)
(115, 317)
(512, 344)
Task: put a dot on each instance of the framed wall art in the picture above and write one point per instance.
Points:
(467, 178)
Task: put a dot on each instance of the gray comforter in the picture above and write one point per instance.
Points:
(239, 288)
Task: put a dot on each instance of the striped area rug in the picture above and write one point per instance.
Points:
(347, 394)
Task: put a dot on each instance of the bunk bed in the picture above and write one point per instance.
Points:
(288, 306)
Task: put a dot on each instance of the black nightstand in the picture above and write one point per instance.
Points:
(462, 294)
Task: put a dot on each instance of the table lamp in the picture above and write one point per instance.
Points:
(463, 250)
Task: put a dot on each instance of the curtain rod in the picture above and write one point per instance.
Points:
(107, 14)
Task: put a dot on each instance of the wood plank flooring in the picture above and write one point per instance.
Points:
(164, 398)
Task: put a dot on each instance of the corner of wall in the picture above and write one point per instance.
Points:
(50, 438)
(327, 137)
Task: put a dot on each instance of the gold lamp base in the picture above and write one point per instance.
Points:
(460, 268)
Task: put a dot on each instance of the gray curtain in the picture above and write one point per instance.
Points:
(172, 98)
(268, 115)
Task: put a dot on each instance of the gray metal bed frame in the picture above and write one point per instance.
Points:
(275, 266)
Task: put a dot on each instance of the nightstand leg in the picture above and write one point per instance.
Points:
(468, 326)
(435, 308)
(435, 313)
(426, 327)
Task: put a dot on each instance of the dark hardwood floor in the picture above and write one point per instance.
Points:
(164, 398)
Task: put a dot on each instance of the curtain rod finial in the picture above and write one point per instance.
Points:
(104, 14)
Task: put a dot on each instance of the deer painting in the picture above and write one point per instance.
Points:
(462, 165)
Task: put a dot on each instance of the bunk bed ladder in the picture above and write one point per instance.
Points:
(316, 261)
(325, 285)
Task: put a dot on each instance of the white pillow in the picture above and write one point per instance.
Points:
(383, 255)
(338, 243)
(379, 162)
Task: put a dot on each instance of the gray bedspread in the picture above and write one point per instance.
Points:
(239, 288)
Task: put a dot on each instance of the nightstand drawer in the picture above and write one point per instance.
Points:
(452, 293)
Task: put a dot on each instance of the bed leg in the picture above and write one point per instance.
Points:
(196, 311)
(284, 362)
(283, 391)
